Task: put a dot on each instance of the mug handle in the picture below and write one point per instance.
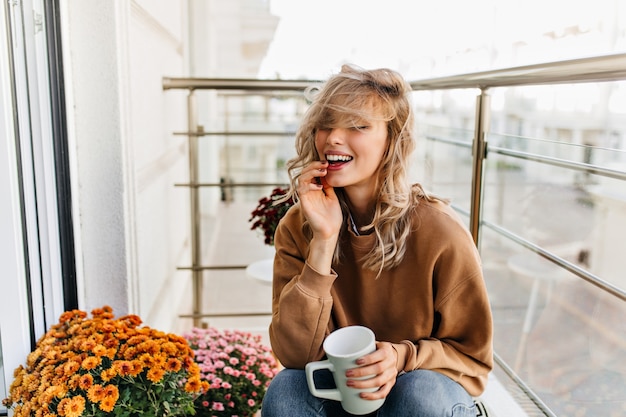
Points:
(329, 394)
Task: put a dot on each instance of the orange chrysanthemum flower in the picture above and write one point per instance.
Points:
(155, 374)
(160, 359)
(111, 392)
(99, 350)
(137, 367)
(91, 362)
(69, 316)
(88, 345)
(108, 374)
(111, 343)
(193, 385)
(85, 382)
(169, 348)
(96, 393)
(71, 407)
(26, 409)
(123, 368)
(132, 320)
(135, 340)
(107, 405)
(107, 328)
(173, 365)
(111, 353)
(84, 366)
(61, 407)
(188, 362)
(33, 356)
(147, 360)
(74, 382)
(148, 347)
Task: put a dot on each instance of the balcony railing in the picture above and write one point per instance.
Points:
(544, 197)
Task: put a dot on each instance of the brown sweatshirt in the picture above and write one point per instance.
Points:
(435, 301)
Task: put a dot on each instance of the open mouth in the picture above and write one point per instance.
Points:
(338, 159)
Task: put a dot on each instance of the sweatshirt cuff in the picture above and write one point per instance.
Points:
(316, 283)
(410, 360)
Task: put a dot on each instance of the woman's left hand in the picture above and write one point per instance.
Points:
(383, 364)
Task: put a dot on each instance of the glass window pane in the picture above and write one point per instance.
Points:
(447, 163)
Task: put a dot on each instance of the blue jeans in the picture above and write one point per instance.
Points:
(420, 393)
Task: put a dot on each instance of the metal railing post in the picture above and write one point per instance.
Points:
(479, 150)
(194, 205)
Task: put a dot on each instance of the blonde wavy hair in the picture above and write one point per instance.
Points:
(343, 100)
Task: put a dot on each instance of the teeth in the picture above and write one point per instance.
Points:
(338, 158)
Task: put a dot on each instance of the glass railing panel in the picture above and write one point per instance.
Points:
(546, 208)
(245, 139)
(563, 336)
(262, 109)
(241, 158)
(570, 212)
(227, 238)
(444, 163)
(224, 295)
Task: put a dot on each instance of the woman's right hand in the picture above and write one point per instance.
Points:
(319, 201)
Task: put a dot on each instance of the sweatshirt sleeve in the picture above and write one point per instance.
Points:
(301, 299)
(460, 345)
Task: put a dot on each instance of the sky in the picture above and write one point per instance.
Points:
(317, 40)
(426, 38)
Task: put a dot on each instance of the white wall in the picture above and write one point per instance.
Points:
(131, 222)
(157, 42)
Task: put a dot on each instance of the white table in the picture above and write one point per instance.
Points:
(539, 270)
(262, 270)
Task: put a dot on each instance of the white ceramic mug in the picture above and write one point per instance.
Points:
(343, 347)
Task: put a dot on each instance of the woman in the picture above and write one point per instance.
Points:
(365, 247)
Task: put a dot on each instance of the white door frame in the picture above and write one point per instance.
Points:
(31, 281)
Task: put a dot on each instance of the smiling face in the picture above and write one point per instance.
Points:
(361, 122)
(354, 148)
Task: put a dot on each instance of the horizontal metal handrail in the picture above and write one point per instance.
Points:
(563, 163)
(528, 156)
(211, 267)
(455, 142)
(587, 168)
(583, 70)
(235, 133)
(568, 266)
(248, 84)
(232, 184)
(226, 315)
(557, 260)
